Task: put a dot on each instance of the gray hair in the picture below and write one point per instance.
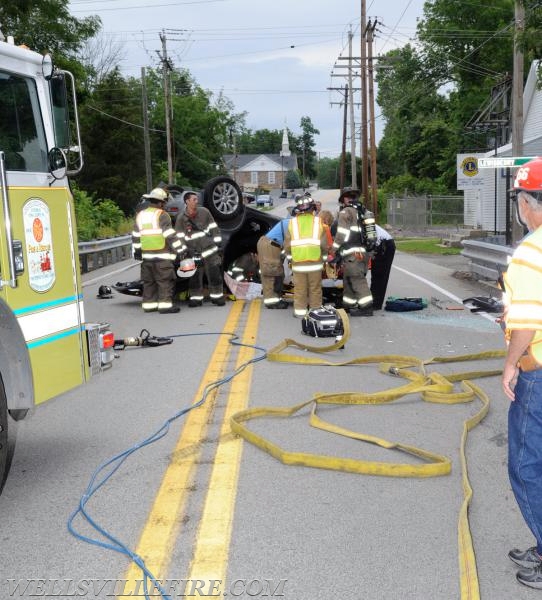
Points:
(532, 201)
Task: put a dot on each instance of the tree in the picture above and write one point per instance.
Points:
(261, 141)
(47, 26)
(112, 134)
(429, 94)
(328, 173)
(304, 146)
(100, 55)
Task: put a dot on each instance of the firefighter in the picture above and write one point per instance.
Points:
(306, 244)
(270, 256)
(154, 240)
(350, 243)
(201, 239)
(245, 268)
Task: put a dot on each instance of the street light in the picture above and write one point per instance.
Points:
(281, 174)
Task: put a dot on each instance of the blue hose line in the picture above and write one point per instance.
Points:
(105, 471)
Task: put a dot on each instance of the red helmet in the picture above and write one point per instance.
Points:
(529, 176)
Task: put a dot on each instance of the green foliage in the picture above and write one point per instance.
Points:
(293, 179)
(98, 219)
(304, 148)
(424, 246)
(113, 142)
(410, 185)
(430, 92)
(47, 26)
(261, 141)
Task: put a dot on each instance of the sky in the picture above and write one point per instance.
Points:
(273, 59)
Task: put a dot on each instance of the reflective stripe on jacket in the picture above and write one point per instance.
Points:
(154, 234)
(306, 232)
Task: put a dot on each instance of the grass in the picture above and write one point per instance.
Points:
(424, 246)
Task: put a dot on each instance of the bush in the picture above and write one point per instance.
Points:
(98, 219)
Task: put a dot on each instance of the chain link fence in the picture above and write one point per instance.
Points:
(418, 212)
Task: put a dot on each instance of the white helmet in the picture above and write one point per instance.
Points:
(156, 195)
(187, 268)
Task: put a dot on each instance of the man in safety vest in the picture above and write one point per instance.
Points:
(522, 372)
(350, 244)
(201, 238)
(154, 239)
(306, 245)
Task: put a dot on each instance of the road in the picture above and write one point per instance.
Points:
(204, 506)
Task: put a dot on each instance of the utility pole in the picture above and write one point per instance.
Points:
(166, 68)
(146, 139)
(343, 153)
(372, 135)
(354, 179)
(363, 72)
(517, 99)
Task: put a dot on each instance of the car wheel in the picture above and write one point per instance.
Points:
(223, 197)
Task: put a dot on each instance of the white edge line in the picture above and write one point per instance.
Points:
(443, 291)
(106, 275)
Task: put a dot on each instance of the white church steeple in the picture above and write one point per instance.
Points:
(285, 145)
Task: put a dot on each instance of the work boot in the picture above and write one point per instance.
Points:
(218, 301)
(193, 303)
(525, 558)
(171, 309)
(279, 304)
(531, 577)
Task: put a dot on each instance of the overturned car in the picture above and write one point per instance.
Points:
(241, 226)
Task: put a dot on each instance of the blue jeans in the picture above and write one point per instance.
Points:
(525, 450)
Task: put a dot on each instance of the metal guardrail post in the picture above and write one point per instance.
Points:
(487, 260)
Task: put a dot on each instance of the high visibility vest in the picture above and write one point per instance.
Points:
(305, 232)
(152, 236)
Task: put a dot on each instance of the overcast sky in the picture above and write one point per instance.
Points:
(272, 58)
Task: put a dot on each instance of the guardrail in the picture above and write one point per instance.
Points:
(99, 253)
(487, 259)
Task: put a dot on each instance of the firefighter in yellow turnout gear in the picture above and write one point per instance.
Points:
(306, 245)
(155, 240)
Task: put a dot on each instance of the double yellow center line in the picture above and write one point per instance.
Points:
(163, 525)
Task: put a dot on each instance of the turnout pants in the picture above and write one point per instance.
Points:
(158, 284)
(307, 290)
(212, 269)
(271, 270)
(356, 291)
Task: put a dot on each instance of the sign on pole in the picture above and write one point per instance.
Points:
(468, 175)
(501, 162)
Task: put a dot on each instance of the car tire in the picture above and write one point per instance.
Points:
(223, 197)
(7, 437)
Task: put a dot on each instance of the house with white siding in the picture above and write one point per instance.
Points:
(264, 171)
(485, 208)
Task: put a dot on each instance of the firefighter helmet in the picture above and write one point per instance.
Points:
(529, 178)
(187, 268)
(304, 203)
(348, 192)
(104, 291)
(156, 195)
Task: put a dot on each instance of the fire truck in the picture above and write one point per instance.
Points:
(46, 347)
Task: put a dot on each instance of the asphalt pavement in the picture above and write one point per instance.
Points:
(321, 533)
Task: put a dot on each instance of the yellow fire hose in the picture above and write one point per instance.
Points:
(433, 387)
